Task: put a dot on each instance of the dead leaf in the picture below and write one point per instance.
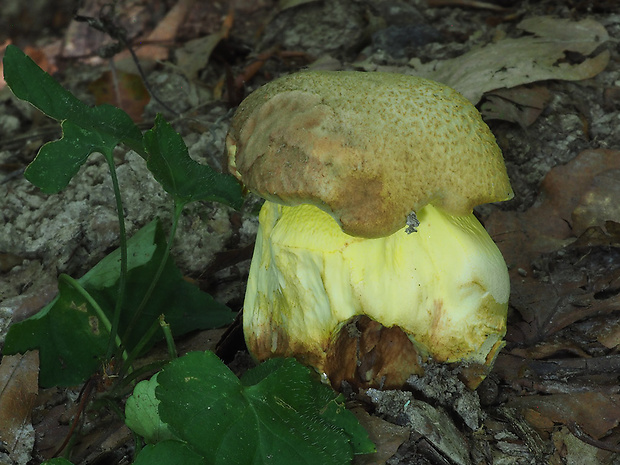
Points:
(594, 412)
(513, 62)
(195, 54)
(573, 449)
(549, 225)
(165, 32)
(555, 284)
(521, 105)
(465, 3)
(609, 335)
(567, 286)
(126, 92)
(599, 203)
(387, 437)
(430, 426)
(8, 261)
(19, 385)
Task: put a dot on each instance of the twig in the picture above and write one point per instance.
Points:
(582, 436)
(84, 395)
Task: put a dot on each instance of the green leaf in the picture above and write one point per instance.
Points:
(85, 129)
(168, 453)
(57, 162)
(57, 461)
(70, 352)
(184, 305)
(69, 334)
(142, 416)
(278, 413)
(180, 175)
(336, 413)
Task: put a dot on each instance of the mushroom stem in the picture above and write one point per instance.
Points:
(446, 287)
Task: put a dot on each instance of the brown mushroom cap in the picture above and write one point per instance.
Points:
(368, 148)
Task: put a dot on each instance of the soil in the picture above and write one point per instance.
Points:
(554, 394)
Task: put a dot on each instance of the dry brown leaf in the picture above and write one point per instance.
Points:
(599, 203)
(513, 62)
(594, 412)
(609, 335)
(466, 3)
(548, 225)
(387, 437)
(19, 386)
(521, 105)
(165, 32)
(558, 279)
(195, 54)
(124, 90)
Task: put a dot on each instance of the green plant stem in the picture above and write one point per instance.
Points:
(129, 379)
(138, 348)
(178, 208)
(172, 349)
(75, 284)
(122, 281)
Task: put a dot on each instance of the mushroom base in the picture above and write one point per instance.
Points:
(372, 311)
(367, 354)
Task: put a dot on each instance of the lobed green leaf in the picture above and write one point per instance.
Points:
(71, 351)
(180, 175)
(278, 413)
(169, 452)
(85, 129)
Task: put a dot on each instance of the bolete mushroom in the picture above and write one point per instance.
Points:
(369, 261)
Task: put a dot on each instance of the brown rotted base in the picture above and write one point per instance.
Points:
(366, 354)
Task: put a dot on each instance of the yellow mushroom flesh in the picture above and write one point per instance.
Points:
(446, 286)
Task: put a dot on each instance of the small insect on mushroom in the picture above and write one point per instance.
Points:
(349, 163)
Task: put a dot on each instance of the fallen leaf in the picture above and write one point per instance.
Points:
(513, 62)
(560, 273)
(387, 437)
(19, 387)
(465, 3)
(521, 105)
(126, 92)
(429, 426)
(164, 33)
(594, 412)
(565, 287)
(195, 54)
(599, 203)
(549, 225)
(609, 334)
(575, 451)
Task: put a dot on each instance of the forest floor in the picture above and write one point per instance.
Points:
(544, 74)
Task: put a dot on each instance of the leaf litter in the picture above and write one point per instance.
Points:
(557, 249)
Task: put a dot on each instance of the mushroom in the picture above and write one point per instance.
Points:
(369, 262)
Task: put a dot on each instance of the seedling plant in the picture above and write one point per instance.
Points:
(194, 410)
